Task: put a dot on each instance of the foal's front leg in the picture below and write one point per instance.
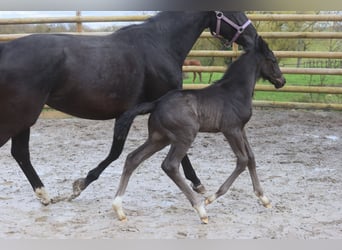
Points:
(252, 171)
(237, 144)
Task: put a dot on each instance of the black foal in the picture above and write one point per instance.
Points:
(177, 117)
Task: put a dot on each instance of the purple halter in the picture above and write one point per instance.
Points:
(239, 29)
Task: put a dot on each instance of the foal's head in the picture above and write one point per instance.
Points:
(269, 66)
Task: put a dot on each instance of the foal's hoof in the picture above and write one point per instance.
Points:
(269, 205)
(265, 202)
(205, 220)
(210, 199)
(199, 189)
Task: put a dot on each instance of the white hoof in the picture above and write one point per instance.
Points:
(265, 202)
(117, 206)
(210, 199)
(43, 196)
(202, 213)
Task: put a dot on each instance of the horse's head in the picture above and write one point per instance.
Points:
(269, 65)
(234, 27)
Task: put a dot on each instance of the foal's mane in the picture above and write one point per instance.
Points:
(260, 46)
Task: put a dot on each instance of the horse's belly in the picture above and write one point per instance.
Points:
(96, 109)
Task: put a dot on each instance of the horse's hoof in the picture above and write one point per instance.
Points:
(199, 189)
(43, 196)
(79, 185)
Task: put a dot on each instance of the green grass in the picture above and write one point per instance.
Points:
(292, 80)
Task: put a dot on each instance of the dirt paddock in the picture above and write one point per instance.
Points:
(298, 154)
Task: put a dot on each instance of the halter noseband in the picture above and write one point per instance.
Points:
(239, 29)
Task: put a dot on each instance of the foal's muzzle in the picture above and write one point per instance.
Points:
(279, 82)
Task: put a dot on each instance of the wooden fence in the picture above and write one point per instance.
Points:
(323, 55)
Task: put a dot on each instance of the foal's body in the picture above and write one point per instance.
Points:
(225, 106)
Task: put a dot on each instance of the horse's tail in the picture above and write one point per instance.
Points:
(124, 122)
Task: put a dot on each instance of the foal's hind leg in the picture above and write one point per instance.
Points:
(252, 171)
(20, 152)
(171, 167)
(132, 162)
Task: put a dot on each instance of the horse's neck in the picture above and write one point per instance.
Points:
(179, 31)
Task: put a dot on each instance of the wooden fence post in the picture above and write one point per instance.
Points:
(79, 23)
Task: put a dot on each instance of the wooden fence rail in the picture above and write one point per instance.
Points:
(235, 53)
(89, 19)
(287, 70)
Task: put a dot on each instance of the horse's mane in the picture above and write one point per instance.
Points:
(170, 20)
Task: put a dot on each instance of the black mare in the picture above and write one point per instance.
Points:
(177, 117)
(99, 77)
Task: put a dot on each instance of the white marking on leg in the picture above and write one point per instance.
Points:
(202, 213)
(265, 201)
(43, 196)
(117, 206)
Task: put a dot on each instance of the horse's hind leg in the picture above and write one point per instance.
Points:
(252, 171)
(132, 162)
(20, 152)
(80, 184)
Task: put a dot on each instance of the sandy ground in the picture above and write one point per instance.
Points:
(298, 154)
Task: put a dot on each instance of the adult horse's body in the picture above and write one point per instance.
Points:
(99, 77)
(177, 117)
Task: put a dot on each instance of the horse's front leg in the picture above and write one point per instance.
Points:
(20, 152)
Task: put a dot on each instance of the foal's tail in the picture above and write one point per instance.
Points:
(124, 122)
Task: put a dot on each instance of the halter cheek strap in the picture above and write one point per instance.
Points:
(239, 29)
